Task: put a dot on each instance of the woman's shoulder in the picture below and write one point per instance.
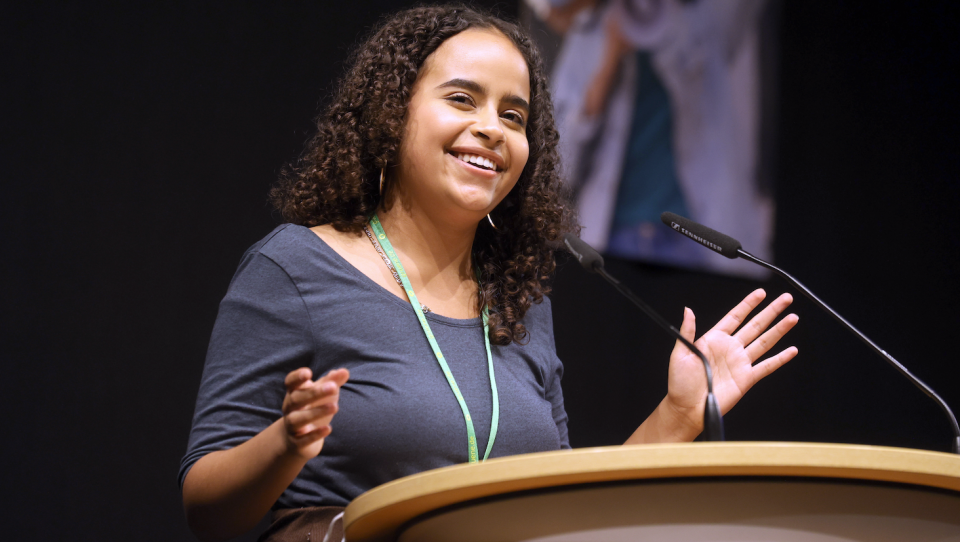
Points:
(310, 256)
(289, 248)
(539, 319)
(284, 239)
(540, 309)
(291, 245)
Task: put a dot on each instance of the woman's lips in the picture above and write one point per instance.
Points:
(474, 168)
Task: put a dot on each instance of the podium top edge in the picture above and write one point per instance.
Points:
(429, 490)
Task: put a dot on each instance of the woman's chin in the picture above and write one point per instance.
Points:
(478, 207)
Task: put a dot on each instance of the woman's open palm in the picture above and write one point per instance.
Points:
(732, 353)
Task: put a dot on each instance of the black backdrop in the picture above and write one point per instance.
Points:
(138, 144)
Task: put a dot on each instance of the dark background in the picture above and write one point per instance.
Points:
(139, 142)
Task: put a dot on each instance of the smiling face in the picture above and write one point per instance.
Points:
(465, 142)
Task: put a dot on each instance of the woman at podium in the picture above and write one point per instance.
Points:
(399, 322)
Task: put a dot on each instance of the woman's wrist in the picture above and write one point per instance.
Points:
(288, 450)
(678, 423)
(665, 424)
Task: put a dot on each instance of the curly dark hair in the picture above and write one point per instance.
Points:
(336, 180)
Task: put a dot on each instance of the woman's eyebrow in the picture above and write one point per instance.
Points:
(474, 86)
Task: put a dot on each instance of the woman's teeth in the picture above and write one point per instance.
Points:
(478, 161)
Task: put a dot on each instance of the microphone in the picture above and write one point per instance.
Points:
(730, 247)
(591, 260)
(712, 239)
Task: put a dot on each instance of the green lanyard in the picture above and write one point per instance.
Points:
(495, 418)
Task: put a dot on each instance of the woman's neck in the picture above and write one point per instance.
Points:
(436, 254)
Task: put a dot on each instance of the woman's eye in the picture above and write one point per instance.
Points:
(514, 117)
(461, 99)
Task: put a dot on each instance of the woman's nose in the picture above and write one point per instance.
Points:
(487, 126)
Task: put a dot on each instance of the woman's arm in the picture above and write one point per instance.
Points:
(733, 358)
(226, 492)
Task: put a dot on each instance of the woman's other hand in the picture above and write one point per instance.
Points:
(309, 407)
(226, 492)
(733, 355)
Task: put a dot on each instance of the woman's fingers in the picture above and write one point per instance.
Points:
(338, 376)
(297, 378)
(688, 330)
(738, 314)
(310, 396)
(311, 437)
(309, 407)
(305, 394)
(301, 422)
(769, 365)
(759, 323)
(765, 342)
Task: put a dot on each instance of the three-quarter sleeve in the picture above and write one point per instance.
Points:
(261, 333)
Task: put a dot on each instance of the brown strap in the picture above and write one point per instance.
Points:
(303, 525)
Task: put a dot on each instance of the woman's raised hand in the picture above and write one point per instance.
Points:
(309, 407)
(732, 354)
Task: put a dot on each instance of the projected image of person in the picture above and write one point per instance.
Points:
(658, 105)
(399, 322)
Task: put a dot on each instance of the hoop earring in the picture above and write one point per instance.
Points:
(494, 226)
(383, 173)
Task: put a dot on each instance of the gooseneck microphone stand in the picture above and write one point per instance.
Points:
(955, 447)
(591, 260)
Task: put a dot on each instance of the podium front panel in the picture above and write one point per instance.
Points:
(697, 510)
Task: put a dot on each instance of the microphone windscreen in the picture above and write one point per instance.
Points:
(712, 239)
(590, 259)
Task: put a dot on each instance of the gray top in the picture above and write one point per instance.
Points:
(294, 302)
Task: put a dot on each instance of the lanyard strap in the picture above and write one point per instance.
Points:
(495, 417)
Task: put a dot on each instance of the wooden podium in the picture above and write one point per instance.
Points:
(675, 492)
